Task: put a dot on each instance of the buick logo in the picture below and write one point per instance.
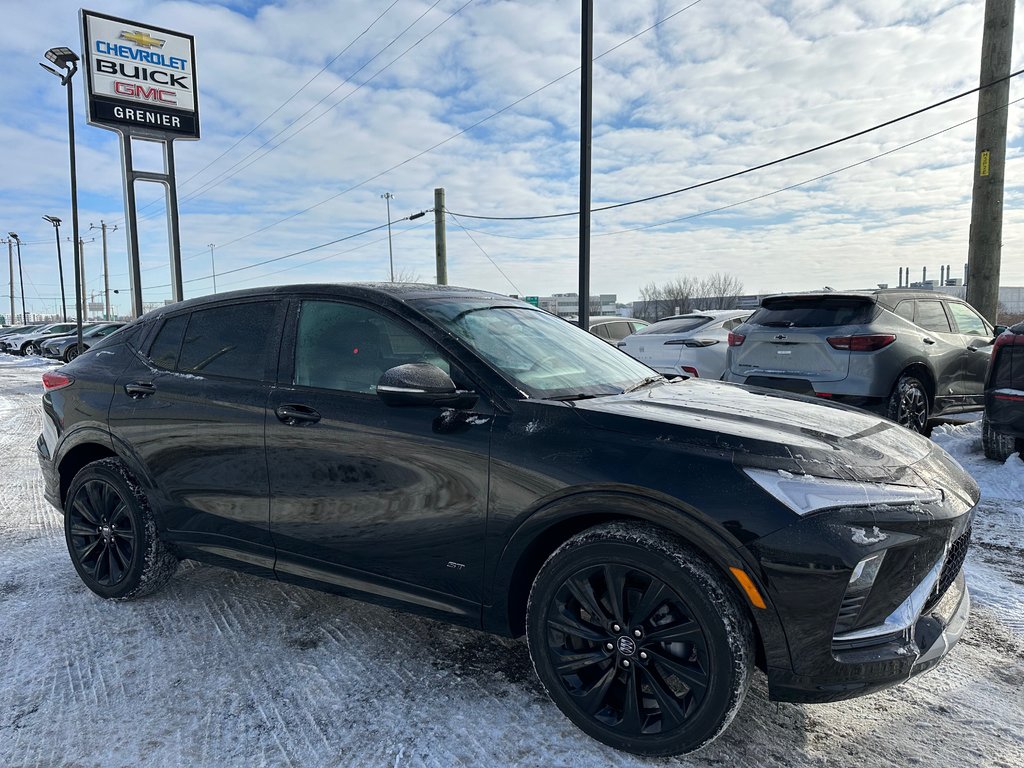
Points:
(780, 337)
(627, 646)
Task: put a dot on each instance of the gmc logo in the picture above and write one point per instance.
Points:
(158, 95)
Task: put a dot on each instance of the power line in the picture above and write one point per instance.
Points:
(752, 169)
(493, 262)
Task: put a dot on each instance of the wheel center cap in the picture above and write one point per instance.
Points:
(626, 645)
(106, 531)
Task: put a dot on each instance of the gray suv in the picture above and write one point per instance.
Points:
(908, 355)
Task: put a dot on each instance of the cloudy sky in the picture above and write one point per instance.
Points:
(312, 110)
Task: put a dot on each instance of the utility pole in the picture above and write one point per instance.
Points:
(985, 249)
(21, 276)
(106, 269)
(440, 238)
(586, 124)
(81, 287)
(60, 265)
(213, 265)
(10, 266)
(388, 197)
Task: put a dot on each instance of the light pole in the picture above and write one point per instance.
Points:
(213, 264)
(21, 276)
(67, 60)
(391, 254)
(106, 270)
(60, 264)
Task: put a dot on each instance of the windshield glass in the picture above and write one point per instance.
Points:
(814, 311)
(678, 325)
(541, 354)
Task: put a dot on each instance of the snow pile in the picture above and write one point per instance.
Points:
(997, 481)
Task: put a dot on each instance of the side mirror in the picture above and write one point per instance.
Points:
(999, 329)
(421, 384)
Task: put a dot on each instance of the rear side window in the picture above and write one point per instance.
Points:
(814, 312)
(735, 322)
(932, 317)
(968, 321)
(681, 325)
(601, 331)
(617, 331)
(164, 349)
(233, 340)
(905, 309)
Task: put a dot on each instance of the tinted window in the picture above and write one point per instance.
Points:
(230, 341)
(932, 317)
(164, 350)
(681, 325)
(905, 309)
(346, 347)
(814, 311)
(618, 331)
(968, 321)
(601, 331)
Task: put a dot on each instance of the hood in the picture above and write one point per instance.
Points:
(776, 430)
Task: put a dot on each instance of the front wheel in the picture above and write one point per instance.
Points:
(639, 640)
(908, 404)
(111, 535)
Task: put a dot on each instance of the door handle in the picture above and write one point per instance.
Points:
(137, 390)
(972, 348)
(927, 340)
(296, 415)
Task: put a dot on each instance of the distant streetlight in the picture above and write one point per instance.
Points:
(67, 60)
(388, 197)
(60, 264)
(21, 277)
(213, 264)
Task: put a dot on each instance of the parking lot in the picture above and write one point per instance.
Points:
(223, 669)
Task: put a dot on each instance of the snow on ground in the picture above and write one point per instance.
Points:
(222, 669)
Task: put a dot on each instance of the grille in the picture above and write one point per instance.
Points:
(951, 568)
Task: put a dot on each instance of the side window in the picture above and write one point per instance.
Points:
(905, 309)
(968, 321)
(931, 316)
(347, 347)
(728, 325)
(233, 340)
(618, 331)
(164, 349)
(637, 326)
(601, 331)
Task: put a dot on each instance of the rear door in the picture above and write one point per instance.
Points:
(660, 344)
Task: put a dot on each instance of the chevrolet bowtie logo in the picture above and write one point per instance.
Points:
(142, 39)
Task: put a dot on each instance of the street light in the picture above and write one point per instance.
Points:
(60, 264)
(21, 277)
(67, 60)
(391, 255)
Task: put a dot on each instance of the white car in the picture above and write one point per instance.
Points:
(686, 345)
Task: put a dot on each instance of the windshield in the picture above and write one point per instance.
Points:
(541, 354)
(814, 311)
(677, 325)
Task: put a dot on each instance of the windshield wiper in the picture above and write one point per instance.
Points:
(577, 396)
(641, 384)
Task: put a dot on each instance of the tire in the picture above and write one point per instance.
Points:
(997, 446)
(690, 687)
(25, 349)
(908, 404)
(71, 353)
(111, 534)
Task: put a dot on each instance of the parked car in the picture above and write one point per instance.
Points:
(612, 328)
(1002, 426)
(687, 345)
(65, 347)
(11, 330)
(909, 355)
(467, 456)
(26, 342)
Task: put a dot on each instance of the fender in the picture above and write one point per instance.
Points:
(546, 528)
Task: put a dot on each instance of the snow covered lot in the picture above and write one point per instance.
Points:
(221, 669)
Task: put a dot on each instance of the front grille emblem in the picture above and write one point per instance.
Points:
(780, 337)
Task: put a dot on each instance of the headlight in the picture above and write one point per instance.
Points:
(805, 494)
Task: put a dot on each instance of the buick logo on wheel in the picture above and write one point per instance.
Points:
(627, 646)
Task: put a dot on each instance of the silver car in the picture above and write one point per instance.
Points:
(686, 345)
(908, 355)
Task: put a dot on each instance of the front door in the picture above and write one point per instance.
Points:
(367, 497)
(976, 336)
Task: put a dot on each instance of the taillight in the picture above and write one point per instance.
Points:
(56, 380)
(868, 343)
(736, 339)
(1008, 340)
(689, 370)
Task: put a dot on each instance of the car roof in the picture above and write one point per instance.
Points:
(887, 297)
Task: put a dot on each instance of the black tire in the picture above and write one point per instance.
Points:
(997, 446)
(111, 534)
(909, 405)
(690, 664)
(25, 349)
(71, 353)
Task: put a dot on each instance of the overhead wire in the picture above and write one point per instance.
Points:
(486, 254)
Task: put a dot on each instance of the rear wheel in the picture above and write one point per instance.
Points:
(997, 446)
(111, 535)
(638, 640)
(908, 404)
(71, 353)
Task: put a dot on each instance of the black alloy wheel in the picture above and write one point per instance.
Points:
(638, 641)
(111, 534)
(908, 404)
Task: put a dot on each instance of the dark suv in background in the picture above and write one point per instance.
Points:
(1003, 423)
(909, 355)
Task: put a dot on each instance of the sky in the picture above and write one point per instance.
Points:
(312, 110)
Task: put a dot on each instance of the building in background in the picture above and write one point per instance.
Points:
(568, 304)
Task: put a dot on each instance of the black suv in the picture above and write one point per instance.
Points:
(470, 457)
(1003, 423)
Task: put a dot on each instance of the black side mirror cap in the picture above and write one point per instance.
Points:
(419, 384)
(999, 329)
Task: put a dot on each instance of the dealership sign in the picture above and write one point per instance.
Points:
(140, 78)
